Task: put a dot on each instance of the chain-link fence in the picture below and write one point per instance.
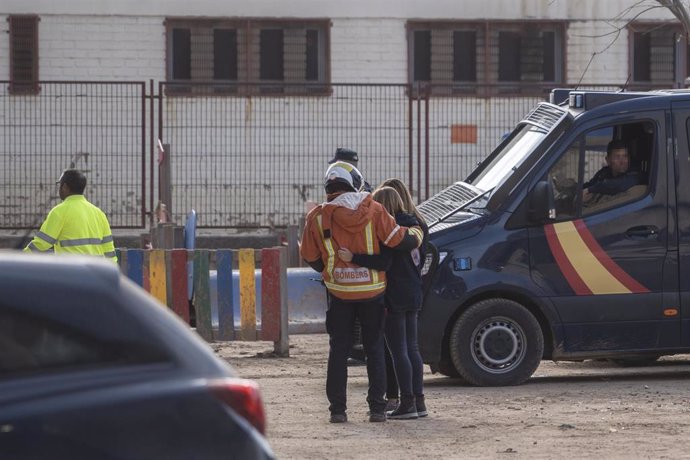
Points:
(97, 127)
(242, 157)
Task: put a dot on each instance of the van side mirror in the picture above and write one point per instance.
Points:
(541, 203)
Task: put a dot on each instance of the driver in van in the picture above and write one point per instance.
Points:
(614, 178)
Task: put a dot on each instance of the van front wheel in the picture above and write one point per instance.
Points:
(496, 342)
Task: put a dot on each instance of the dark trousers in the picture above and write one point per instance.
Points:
(391, 379)
(340, 321)
(401, 338)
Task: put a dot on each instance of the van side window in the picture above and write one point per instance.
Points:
(607, 167)
(564, 178)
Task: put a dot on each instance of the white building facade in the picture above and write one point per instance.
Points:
(253, 97)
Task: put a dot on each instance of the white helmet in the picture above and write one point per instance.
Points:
(344, 173)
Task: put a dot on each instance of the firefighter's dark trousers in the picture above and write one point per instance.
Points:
(340, 320)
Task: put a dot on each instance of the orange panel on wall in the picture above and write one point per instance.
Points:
(463, 134)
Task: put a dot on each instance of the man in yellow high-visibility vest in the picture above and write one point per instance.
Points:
(74, 226)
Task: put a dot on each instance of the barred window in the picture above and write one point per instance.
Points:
(248, 56)
(458, 58)
(23, 54)
(658, 56)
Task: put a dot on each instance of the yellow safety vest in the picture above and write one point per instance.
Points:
(75, 226)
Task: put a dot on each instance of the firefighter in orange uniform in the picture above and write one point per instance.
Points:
(353, 220)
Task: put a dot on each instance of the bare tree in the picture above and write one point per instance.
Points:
(681, 10)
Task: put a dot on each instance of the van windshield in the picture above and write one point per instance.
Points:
(513, 153)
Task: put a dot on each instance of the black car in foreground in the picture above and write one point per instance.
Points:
(91, 366)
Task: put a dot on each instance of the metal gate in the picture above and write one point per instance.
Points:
(255, 160)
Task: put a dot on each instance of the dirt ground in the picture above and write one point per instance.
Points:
(589, 409)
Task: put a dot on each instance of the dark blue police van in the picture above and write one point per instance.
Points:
(525, 266)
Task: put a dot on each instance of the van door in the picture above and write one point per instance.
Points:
(681, 131)
(604, 259)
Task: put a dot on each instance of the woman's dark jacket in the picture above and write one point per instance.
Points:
(403, 269)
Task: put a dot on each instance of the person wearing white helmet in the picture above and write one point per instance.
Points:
(351, 157)
(352, 219)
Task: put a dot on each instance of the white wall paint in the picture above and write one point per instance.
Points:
(595, 54)
(99, 40)
(101, 48)
(436, 9)
(368, 51)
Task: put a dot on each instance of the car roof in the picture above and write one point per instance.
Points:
(593, 103)
(65, 268)
(89, 290)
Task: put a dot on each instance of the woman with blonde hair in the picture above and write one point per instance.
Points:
(406, 196)
(410, 208)
(403, 300)
(390, 199)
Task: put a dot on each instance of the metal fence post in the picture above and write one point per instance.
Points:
(165, 178)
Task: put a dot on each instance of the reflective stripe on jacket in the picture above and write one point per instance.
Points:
(75, 226)
(356, 222)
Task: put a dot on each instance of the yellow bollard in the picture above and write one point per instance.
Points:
(247, 295)
(157, 275)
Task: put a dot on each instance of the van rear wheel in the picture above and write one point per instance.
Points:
(496, 342)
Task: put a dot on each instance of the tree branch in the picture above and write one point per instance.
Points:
(680, 11)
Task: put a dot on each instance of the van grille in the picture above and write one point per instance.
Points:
(545, 116)
(447, 200)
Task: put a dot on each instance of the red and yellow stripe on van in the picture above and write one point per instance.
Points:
(585, 265)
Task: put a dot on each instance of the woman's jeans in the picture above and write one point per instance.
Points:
(401, 337)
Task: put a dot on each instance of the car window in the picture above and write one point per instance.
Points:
(564, 178)
(31, 344)
(587, 180)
